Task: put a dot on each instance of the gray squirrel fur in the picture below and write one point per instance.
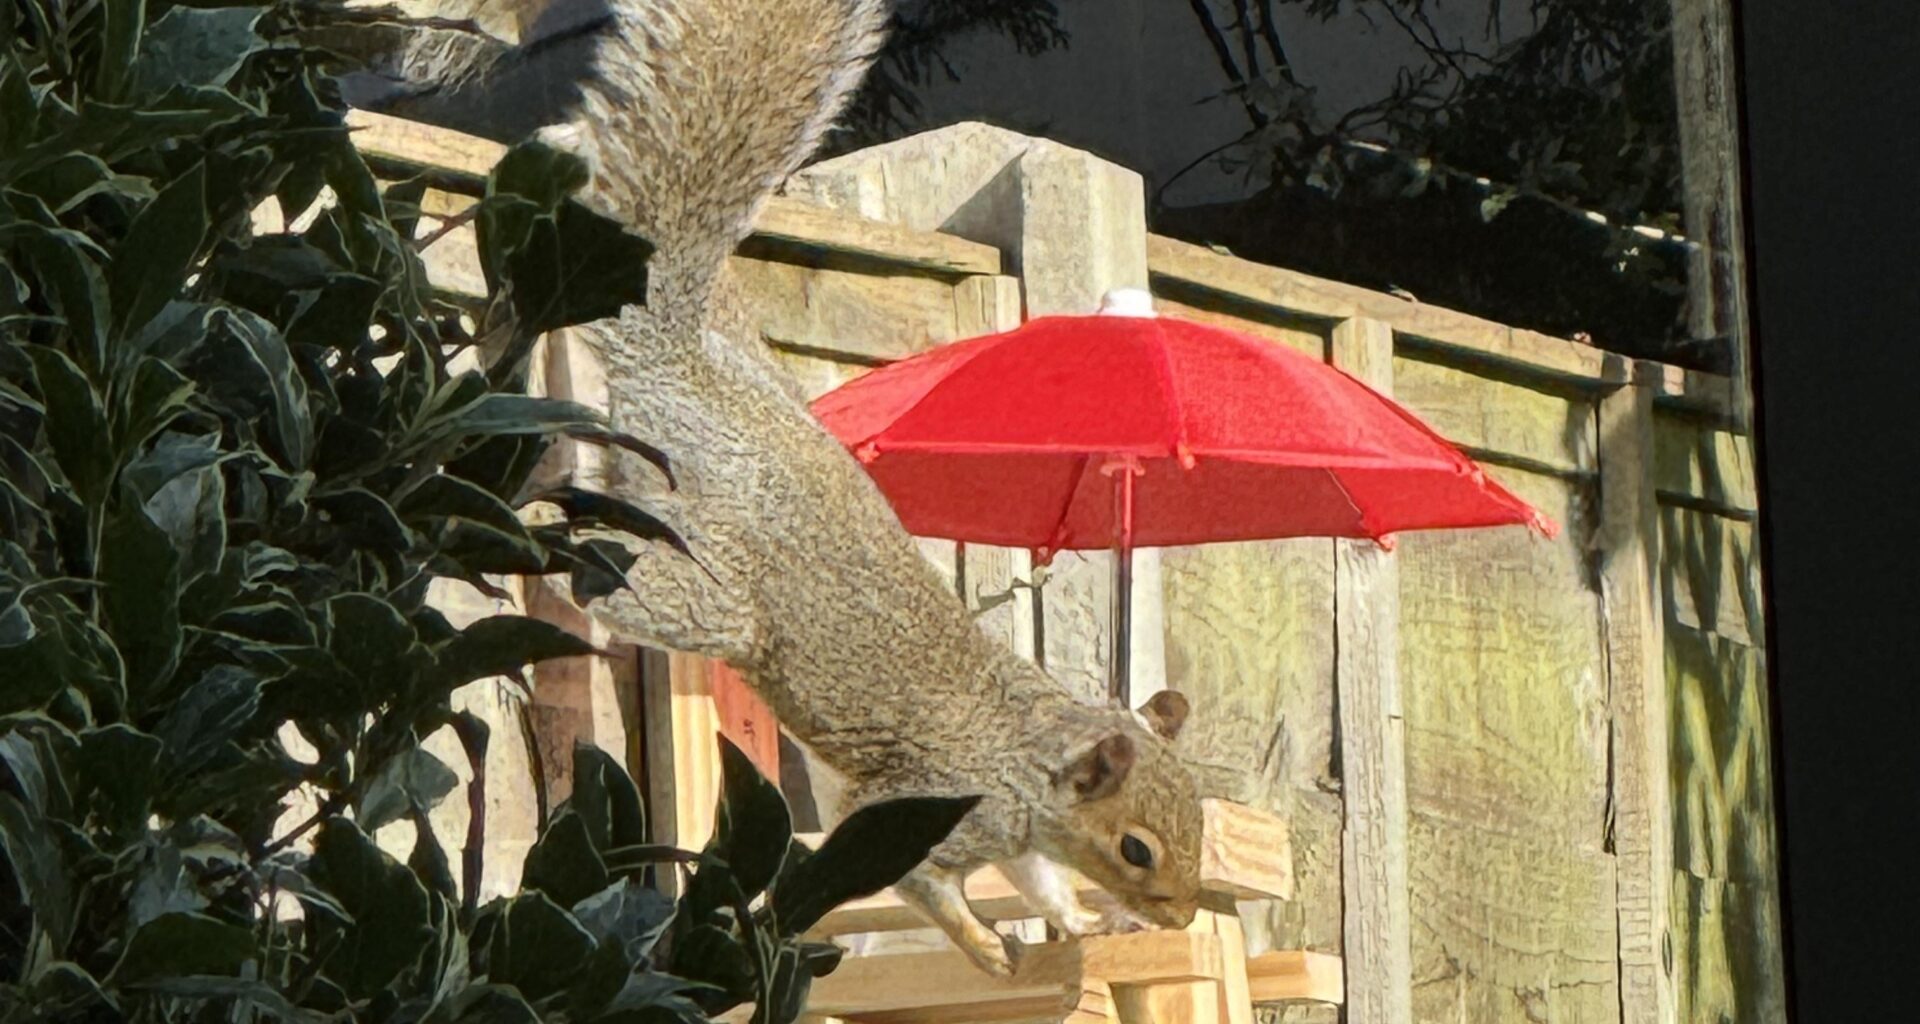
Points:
(694, 112)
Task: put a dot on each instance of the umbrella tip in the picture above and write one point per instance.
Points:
(1127, 302)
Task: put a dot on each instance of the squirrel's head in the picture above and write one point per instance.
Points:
(1126, 815)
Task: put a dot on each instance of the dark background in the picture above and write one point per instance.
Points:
(1832, 102)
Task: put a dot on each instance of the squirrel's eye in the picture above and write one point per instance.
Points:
(1135, 852)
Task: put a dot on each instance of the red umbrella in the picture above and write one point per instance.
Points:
(1128, 429)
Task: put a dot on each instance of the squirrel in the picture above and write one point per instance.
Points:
(803, 578)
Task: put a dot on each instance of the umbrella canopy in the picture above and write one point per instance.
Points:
(1128, 429)
(1023, 439)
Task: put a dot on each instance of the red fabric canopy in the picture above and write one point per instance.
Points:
(1013, 439)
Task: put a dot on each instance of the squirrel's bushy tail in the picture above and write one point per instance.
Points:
(699, 109)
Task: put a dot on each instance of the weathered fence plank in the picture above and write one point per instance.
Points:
(1372, 739)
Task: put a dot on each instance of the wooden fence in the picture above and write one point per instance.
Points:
(1526, 779)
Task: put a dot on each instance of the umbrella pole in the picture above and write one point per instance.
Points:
(1118, 686)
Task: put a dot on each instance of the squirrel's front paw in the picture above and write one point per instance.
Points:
(1121, 921)
(1076, 920)
(998, 958)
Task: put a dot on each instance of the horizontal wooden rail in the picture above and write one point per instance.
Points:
(461, 163)
(1295, 975)
(1417, 326)
(1054, 981)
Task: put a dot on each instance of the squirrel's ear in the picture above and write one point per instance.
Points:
(1100, 771)
(1165, 713)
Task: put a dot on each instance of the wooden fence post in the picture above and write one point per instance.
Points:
(1628, 543)
(1071, 226)
(1378, 918)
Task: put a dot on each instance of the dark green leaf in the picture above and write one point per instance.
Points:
(163, 887)
(428, 861)
(39, 869)
(717, 957)
(606, 799)
(503, 644)
(65, 991)
(389, 908)
(585, 507)
(365, 520)
(175, 332)
(159, 393)
(451, 497)
(70, 180)
(371, 640)
(118, 761)
(600, 567)
(36, 776)
(627, 442)
(166, 235)
(73, 284)
(793, 972)
(140, 570)
(872, 849)
(753, 826)
(413, 779)
(631, 915)
(537, 947)
(563, 863)
(662, 992)
(507, 415)
(292, 421)
(207, 715)
(485, 1004)
(245, 786)
(171, 455)
(241, 994)
(191, 510)
(119, 44)
(76, 424)
(197, 47)
(181, 943)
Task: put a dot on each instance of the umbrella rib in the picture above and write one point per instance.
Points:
(1347, 496)
(1165, 367)
(1066, 507)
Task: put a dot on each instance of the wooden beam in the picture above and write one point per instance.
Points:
(1245, 852)
(1707, 107)
(1633, 624)
(423, 145)
(797, 222)
(1378, 919)
(1054, 980)
(1234, 996)
(1309, 297)
(782, 221)
(1295, 975)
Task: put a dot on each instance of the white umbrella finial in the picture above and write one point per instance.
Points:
(1127, 302)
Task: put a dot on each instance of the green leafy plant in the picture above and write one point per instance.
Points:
(232, 463)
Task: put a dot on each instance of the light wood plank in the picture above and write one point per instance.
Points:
(782, 219)
(1054, 980)
(1245, 852)
(1378, 921)
(696, 754)
(1318, 298)
(1296, 975)
(1234, 997)
(1636, 677)
(798, 222)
